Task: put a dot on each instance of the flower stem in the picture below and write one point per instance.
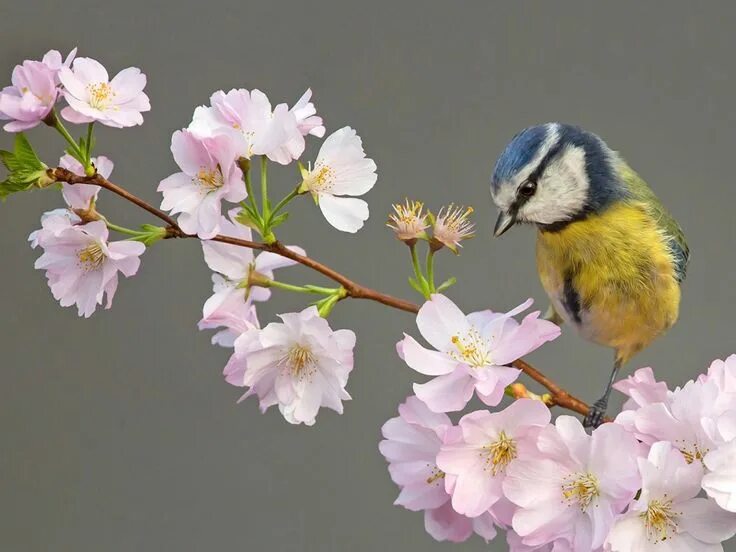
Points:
(249, 189)
(88, 143)
(302, 289)
(264, 188)
(281, 204)
(421, 280)
(122, 229)
(61, 129)
(430, 270)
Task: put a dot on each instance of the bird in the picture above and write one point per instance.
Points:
(609, 255)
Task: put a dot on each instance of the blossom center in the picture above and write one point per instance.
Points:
(660, 520)
(453, 225)
(499, 454)
(471, 349)
(210, 179)
(408, 220)
(321, 178)
(100, 95)
(300, 361)
(582, 489)
(91, 257)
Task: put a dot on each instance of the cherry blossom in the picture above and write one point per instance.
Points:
(471, 352)
(341, 169)
(92, 96)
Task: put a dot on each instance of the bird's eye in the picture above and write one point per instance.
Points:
(528, 188)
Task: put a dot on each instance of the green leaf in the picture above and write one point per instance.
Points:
(24, 166)
(8, 187)
(150, 234)
(279, 220)
(446, 284)
(74, 154)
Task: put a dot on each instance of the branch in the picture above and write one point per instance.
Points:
(557, 395)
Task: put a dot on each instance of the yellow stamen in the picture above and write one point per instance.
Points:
(660, 520)
(210, 179)
(100, 95)
(472, 349)
(500, 453)
(300, 361)
(91, 257)
(581, 488)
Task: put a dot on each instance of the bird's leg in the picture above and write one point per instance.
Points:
(598, 410)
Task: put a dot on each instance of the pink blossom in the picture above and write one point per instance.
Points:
(92, 96)
(82, 266)
(475, 465)
(410, 446)
(668, 516)
(306, 116)
(723, 374)
(574, 485)
(209, 175)
(301, 364)
(471, 352)
(261, 130)
(688, 419)
(52, 224)
(232, 306)
(642, 389)
(341, 169)
(81, 196)
(52, 59)
(31, 97)
(720, 481)
(34, 91)
(516, 544)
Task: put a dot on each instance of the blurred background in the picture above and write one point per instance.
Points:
(119, 433)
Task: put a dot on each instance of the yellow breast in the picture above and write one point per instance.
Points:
(611, 275)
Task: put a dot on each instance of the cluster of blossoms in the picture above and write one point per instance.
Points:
(662, 476)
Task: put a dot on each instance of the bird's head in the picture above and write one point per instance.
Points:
(551, 175)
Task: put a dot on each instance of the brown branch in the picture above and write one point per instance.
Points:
(556, 397)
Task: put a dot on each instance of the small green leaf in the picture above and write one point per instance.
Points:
(279, 220)
(24, 154)
(24, 166)
(446, 284)
(150, 234)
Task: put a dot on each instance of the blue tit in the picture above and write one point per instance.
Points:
(609, 255)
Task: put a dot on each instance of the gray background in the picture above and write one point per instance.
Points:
(119, 434)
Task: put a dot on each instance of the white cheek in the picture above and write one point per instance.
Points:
(504, 197)
(562, 191)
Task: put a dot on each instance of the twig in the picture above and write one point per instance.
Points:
(557, 396)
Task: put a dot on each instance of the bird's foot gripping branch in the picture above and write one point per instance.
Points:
(551, 486)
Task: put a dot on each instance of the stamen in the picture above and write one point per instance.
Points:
(660, 520)
(472, 349)
(210, 179)
(499, 454)
(582, 489)
(91, 257)
(300, 362)
(100, 95)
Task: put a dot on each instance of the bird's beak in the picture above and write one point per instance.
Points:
(504, 222)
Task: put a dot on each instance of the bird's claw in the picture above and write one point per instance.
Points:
(595, 414)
